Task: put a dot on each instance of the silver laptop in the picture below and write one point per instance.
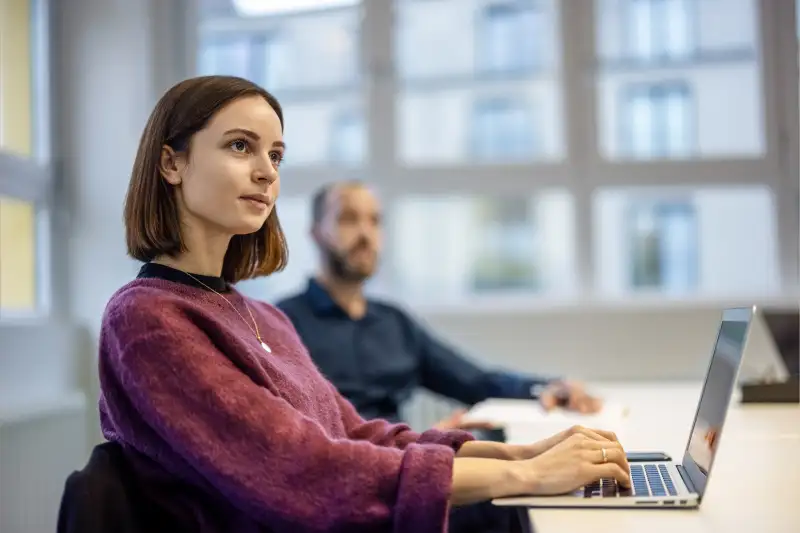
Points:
(668, 483)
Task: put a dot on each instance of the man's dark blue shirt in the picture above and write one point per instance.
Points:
(379, 360)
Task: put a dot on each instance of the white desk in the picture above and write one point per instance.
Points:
(755, 482)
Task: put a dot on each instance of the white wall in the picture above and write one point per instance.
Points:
(601, 343)
(104, 109)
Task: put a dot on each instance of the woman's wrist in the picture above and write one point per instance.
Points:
(480, 479)
(489, 450)
(519, 479)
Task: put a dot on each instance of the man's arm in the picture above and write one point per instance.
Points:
(454, 376)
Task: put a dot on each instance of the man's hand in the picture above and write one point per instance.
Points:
(570, 395)
(456, 421)
(521, 452)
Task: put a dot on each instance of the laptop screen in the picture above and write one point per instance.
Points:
(716, 395)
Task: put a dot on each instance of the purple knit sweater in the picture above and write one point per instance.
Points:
(240, 440)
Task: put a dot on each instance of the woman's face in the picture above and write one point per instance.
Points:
(229, 180)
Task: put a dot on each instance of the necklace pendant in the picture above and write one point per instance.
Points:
(266, 348)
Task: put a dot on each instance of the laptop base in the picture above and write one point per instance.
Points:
(568, 502)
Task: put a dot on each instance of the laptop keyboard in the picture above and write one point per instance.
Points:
(646, 480)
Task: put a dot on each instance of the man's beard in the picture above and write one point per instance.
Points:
(337, 265)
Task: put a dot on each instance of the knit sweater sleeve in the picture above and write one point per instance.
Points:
(398, 435)
(266, 457)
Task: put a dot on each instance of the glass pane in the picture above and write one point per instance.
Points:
(703, 240)
(671, 71)
(447, 248)
(17, 256)
(479, 81)
(16, 90)
(309, 60)
(663, 248)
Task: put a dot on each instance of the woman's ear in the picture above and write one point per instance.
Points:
(171, 165)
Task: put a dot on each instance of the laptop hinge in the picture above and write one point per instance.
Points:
(686, 479)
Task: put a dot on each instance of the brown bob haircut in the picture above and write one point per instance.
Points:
(152, 222)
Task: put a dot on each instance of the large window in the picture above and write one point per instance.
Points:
(23, 179)
(531, 149)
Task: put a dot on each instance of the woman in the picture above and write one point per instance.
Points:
(213, 396)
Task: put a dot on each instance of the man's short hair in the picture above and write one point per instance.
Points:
(320, 198)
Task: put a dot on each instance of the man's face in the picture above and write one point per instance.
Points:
(349, 234)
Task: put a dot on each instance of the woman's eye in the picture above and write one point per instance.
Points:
(240, 145)
(276, 158)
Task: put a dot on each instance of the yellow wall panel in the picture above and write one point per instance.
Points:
(17, 219)
(17, 255)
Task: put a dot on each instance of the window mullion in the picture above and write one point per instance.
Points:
(578, 60)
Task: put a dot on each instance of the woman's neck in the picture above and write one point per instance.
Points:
(204, 255)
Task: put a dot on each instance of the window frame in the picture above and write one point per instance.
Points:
(583, 171)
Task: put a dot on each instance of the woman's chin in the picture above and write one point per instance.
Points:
(252, 225)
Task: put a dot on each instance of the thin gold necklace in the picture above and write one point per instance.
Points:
(255, 325)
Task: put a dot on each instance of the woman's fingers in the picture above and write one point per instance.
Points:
(608, 435)
(614, 455)
(606, 455)
(610, 452)
(595, 434)
(611, 470)
(593, 444)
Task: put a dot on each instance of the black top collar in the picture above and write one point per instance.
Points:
(155, 270)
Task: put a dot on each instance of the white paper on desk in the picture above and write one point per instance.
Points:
(526, 420)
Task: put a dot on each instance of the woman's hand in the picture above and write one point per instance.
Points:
(574, 458)
(574, 462)
(521, 452)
